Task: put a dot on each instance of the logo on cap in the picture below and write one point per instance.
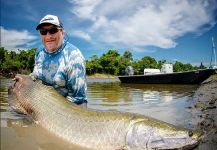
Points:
(45, 19)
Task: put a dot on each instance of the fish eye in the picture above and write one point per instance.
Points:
(190, 133)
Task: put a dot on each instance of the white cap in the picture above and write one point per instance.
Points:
(50, 19)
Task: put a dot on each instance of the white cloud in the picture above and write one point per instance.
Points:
(86, 8)
(13, 39)
(80, 34)
(140, 23)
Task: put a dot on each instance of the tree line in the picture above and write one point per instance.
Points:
(110, 62)
(114, 63)
(16, 62)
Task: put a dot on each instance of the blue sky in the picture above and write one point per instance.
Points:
(164, 29)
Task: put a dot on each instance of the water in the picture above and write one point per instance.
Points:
(164, 102)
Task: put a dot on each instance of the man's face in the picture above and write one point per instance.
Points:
(52, 37)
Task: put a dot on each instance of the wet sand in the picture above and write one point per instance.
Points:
(205, 112)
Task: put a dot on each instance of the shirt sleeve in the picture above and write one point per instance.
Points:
(76, 82)
(37, 66)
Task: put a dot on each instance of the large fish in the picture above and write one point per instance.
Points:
(97, 129)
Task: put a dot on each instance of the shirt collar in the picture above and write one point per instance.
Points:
(56, 51)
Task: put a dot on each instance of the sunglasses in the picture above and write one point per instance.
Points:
(51, 31)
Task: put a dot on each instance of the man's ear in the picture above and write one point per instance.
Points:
(63, 32)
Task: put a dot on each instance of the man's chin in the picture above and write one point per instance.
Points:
(50, 48)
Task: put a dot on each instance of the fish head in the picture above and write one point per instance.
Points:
(161, 135)
(13, 102)
(17, 100)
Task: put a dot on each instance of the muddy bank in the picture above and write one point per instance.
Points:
(98, 75)
(204, 109)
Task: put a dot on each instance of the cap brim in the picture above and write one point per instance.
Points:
(44, 23)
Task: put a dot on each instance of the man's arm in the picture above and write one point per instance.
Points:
(76, 83)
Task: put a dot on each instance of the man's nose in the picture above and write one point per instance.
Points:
(48, 34)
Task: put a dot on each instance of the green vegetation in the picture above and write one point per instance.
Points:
(109, 63)
(12, 62)
(113, 63)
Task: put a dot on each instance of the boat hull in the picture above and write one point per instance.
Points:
(188, 77)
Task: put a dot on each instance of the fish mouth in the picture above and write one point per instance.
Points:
(191, 146)
(183, 143)
(184, 146)
(13, 89)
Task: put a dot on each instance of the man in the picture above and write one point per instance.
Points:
(59, 63)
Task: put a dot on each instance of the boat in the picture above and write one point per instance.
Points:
(167, 76)
(187, 77)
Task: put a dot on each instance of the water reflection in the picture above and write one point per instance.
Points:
(118, 93)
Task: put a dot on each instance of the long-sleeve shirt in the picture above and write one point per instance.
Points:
(64, 69)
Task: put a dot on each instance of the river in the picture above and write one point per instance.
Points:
(168, 103)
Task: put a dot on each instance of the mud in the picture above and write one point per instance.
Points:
(204, 106)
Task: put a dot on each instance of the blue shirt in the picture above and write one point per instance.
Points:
(64, 69)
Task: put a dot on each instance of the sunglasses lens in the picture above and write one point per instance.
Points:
(51, 31)
(43, 32)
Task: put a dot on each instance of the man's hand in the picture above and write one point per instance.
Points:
(33, 76)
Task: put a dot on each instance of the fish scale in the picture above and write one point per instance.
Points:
(98, 129)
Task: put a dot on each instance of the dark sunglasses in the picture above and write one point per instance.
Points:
(51, 31)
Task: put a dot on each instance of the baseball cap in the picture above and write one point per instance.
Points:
(49, 19)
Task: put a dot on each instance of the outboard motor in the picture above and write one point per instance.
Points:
(129, 70)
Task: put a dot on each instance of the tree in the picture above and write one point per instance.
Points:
(22, 57)
(16, 62)
(188, 67)
(11, 63)
(31, 59)
(178, 66)
(146, 62)
(128, 55)
(124, 61)
(110, 62)
(2, 56)
(160, 63)
(93, 66)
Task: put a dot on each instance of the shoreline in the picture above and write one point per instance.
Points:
(204, 110)
(97, 75)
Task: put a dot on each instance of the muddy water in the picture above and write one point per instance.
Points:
(164, 102)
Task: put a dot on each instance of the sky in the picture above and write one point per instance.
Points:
(172, 30)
